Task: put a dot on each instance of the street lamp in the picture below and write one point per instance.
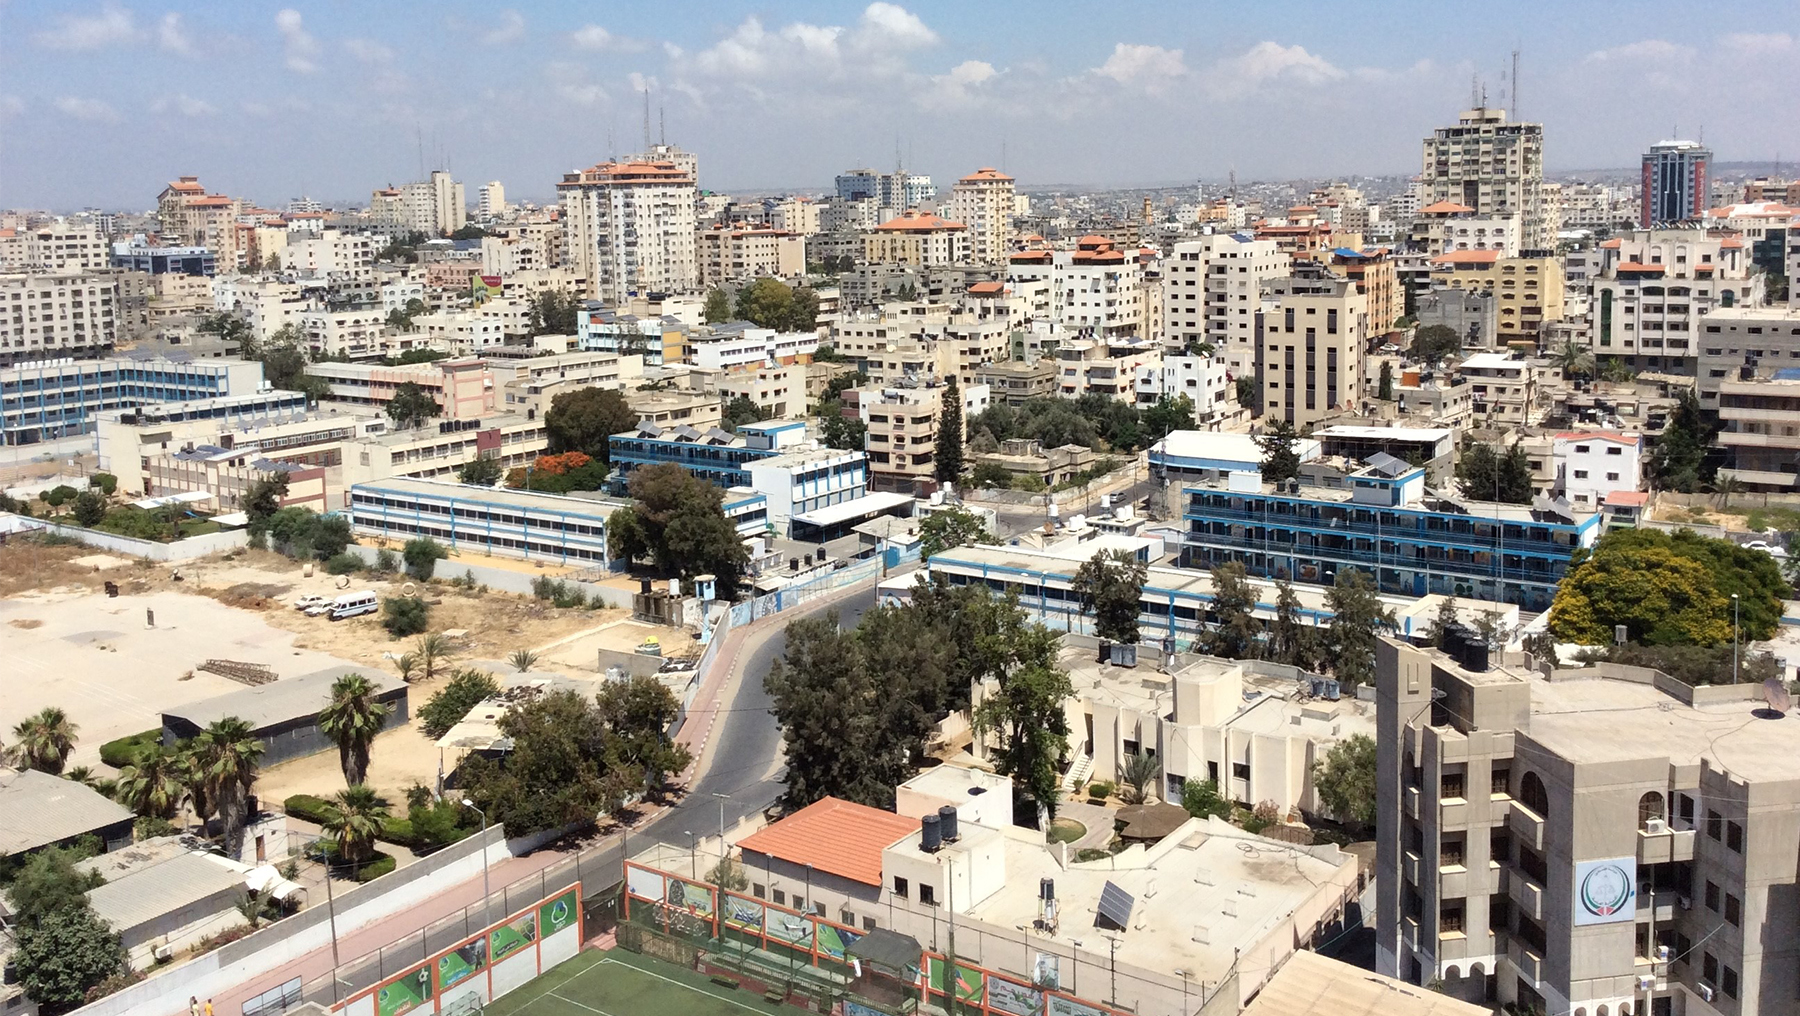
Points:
(1734, 638)
(485, 891)
(722, 799)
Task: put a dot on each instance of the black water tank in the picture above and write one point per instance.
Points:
(1046, 889)
(1475, 656)
(931, 836)
(947, 823)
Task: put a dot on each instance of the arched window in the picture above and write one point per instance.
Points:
(1533, 795)
(1650, 806)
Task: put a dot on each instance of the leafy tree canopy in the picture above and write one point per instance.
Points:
(679, 523)
(1281, 456)
(1345, 779)
(952, 527)
(1110, 586)
(770, 303)
(1433, 344)
(583, 420)
(411, 405)
(1667, 589)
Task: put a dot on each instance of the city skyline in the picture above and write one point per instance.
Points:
(330, 101)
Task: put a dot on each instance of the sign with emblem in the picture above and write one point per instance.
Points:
(1605, 891)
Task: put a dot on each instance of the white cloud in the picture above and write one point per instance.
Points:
(186, 105)
(571, 81)
(873, 47)
(112, 26)
(1152, 68)
(301, 48)
(1269, 61)
(961, 85)
(1758, 43)
(511, 30)
(172, 36)
(596, 38)
(1652, 50)
(87, 109)
(369, 51)
(897, 25)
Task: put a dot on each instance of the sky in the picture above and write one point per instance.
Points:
(102, 102)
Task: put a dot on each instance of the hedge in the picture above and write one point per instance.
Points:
(377, 865)
(308, 808)
(124, 751)
(394, 829)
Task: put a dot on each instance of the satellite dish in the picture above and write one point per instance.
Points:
(1775, 693)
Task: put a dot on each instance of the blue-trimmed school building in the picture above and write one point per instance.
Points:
(529, 525)
(717, 456)
(59, 398)
(1384, 522)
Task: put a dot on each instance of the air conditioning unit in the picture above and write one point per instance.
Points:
(1705, 990)
(1655, 826)
(1662, 954)
(1646, 983)
(1687, 902)
(163, 953)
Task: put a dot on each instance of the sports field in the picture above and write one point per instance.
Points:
(622, 983)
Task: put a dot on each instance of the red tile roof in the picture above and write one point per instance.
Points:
(985, 173)
(1612, 244)
(1445, 208)
(1730, 243)
(915, 221)
(1639, 266)
(838, 837)
(987, 288)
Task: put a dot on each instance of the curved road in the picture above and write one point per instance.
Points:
(743, 761)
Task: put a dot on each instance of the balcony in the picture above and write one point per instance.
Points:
(1529, 964)
(1412, 802)
(1665, 845)
(1526, 826)
(1527, 895)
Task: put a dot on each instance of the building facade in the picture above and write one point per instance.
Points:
(1312, 348)
(44, 315)
(529, 525)
(1212, 290)
(984, 201)
(1493, 166)
(630, 225)
(1654, 290)
(1673, 183)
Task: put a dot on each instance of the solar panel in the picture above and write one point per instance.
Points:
(1115, 906)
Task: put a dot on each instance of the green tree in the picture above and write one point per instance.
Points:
(636, 714)
(1168, 415)
(554, 313)
(430, 649)
(46, 739)
(352, 718)
(355, 819)
(422, 553)
(1667, 590)
(481, 471)
(1291, 641)
(1281, 456)
(63, 949)
(523, 660)
(90, 508)
(718, 307)
(105, 483)
(583, 420)
(947, 460)
(679, 522)
(1616, 369)
(1516, 486)
(740, 411)
(846, 433)
(1110, 586)
(411, 405)
(151, 785)
(469, 232)
(263, 499)
(1235, 633)
(1679, 460)
(1202, 799)
(1027, 711)
(1357, 617)
(1433, 344)
(230, 755)
(1478, 471)
(768, 303)
(556, 773)
(1384, 388)
(1442, 620)
(952, 527)
(465, 690)
(990, 474)
(1572, 359)
(1248, 395)
(405, 615)
(1345, 780)
(1138, 775)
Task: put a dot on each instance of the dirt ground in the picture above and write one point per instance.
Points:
(69, 645)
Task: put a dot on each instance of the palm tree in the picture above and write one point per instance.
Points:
(352, 718)
(1727, 484)
(152, 784)
(190, 768)
(1138, 774)
(254, 906)
(407, 664)
(229, 753)
(1573, 358)
(83, 775)
(356, 817)
(429, 648)
(45, 741)
(524, 659)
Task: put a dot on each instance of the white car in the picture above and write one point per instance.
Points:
(307, 604)
(1767, 548)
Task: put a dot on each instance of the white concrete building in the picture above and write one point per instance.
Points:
(266, 302)
(64, 245)
(492, 202)
(1096, 290)
(1654, 289)
(1205, 380)
(344, 332)
(807, 479)
(1592, 464)
(983, 201)
(630, 224)
(745, 345)
(1504, 387)
(55, 314)
(333, 254)
(1087, 367)
(1212, 290)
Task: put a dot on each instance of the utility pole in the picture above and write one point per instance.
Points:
(1736, 638)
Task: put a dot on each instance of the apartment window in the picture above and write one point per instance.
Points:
(868, 924)
(1709, 968)
(1450, 852)
(1734, 836)
(1715, 824)
(1450, 918)
(1581, 474)
(1499, 781)
(800, 903)
(1728, 983)
(927, 895)
(1452, 786)
(1499, 912)
(847, 918)
(1240, 770)
(900, 887)
(1734, 910)
(781, 897)
(1684, 809)
(1615, 451)
(1712, 896)
(1499, 845)
(758, 890)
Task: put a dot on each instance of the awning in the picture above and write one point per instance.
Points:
(887, 949)
(856, 508)
(185, 497)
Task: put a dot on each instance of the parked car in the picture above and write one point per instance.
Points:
(308, 602)
(1768, 548)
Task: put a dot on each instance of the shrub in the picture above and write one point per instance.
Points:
(405, 615)
(1100, 789)
(308, 808)
(386, 562)
(150, 826)
(1092, 854)
(422, 553)
(464, 690)
(124, 751)
(58, 495)
(345, 563)
(558, 592)
(105, 483)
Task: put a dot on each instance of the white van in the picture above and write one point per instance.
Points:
(352, 604)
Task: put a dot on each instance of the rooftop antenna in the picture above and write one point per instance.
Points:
(1475, 91)
(419, 131)
(662, 125)
(899, 163)
(646, 117)
(1515, 84)
(1003, 153)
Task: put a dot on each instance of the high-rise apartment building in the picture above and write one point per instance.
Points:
(433, 206)
(630, 224)
(186, 214)
(1674, 183)
(1314, 338)
(492, 203)
(1212, 290)
(1654, 288)
(898, 190)
(1492, 166)
(1633, 851)
(1096, 290)
(984, 201)
(45, 315)
(62, 245)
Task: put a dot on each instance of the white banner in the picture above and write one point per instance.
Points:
(1605, 891)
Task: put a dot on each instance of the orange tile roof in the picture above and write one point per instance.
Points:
(1639, 266)
(186, 187)
(1445, 208)
(1467, 257)
(1612, 244)
(1638, 498)
(213, 201)
(987, 288)
(985, 173)
(1599, 435)
(835, 836)
(1026, 256)
(913, 221)
(1731, 243)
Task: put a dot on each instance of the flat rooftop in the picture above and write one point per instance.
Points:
(522, 499)
(288, 698)
(1385, 433)
(37, 809)
(1309, 984)
(148, 893)
(1600, 719)
(1200, 895)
